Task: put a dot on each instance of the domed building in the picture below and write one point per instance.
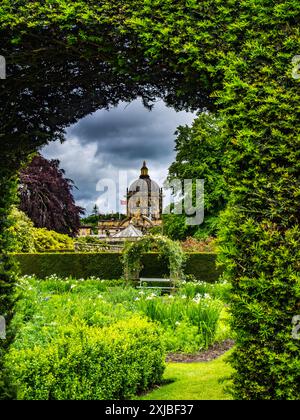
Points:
(144, 210)
(144, 197)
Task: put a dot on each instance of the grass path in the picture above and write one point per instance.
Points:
(193, 381)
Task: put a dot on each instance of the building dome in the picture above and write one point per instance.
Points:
(144, 197)
(144, 185)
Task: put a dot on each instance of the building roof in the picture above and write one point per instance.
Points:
(144, 184)
(130, 232)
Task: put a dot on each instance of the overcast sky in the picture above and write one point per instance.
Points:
(102, 144)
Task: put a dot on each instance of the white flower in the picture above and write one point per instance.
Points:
(171, 297)
(141, 292)
(197, 298)
(73, 286)
(183, 296)
(137, 299)
(100, 297)
(207, 296)
(177, 323)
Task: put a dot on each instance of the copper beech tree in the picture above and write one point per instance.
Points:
(46, 197)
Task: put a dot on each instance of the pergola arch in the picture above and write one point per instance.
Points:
(172, 251)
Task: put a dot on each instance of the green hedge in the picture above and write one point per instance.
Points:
(88, 363)
(109, 266)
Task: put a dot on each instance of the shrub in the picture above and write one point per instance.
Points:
(88, 363)
(78, 265)
(194, 245)
(108, 265)
(27, 238)
(21, 231)
(48, 240)
(264, 299)
(203, 266)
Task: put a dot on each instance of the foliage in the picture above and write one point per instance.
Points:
(48, 240)
(8, 270)
(234, 58)
(46, 197)
(200, 151)
(189, 322)
(89, 339)
(262, 307)
(21, 231)
(170, 250)
(90, 363)
(27, 238)
(94, 219)
(175, 226)
(194, 245)
(220, 290)
(156, 230)
(108, 265)
(202, 265)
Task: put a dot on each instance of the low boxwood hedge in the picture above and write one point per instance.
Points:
(108, 265)
(90, 363)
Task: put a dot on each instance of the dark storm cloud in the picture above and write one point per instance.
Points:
(129, 133)
(120, 139)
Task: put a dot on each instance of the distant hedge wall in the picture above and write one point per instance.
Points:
(109, 266)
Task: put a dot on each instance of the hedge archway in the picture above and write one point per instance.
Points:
(66, 59)
(171, 250)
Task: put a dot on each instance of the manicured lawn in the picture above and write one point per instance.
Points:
(193, 381)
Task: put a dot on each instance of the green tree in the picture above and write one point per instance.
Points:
(95, 211)
(175, 226)
(200, 151)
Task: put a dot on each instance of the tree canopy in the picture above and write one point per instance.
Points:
(200, 154)
(46, 197)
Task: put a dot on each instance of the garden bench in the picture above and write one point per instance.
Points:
(154, 280)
